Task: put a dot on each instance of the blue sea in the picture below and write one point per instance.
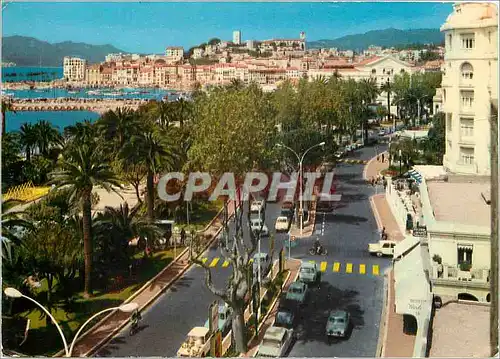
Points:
(60, 119)
(17, 74)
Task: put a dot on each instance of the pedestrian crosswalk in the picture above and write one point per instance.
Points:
(324, 266)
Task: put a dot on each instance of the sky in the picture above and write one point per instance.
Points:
(149, 27)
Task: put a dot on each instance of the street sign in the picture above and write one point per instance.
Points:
(213, 323)
(420, 232)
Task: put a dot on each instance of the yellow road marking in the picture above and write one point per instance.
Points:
(348, 268)
(313, 262)
(251, 260)
(375, 269)
(362, 269)
(214, 262)
(336, 267)
(225, 264)
(323, 266)
(204, 260)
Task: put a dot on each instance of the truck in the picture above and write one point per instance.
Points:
(197, 343)
(382, 248)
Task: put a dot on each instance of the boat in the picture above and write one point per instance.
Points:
(73, 92)
(92, 92)
(114, 94)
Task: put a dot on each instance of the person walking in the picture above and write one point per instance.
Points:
(383, 157)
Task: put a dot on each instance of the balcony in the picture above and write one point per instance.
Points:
(452, 275)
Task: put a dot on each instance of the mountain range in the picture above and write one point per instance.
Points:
(29, 51)
(387, 38)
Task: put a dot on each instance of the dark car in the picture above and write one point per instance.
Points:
(286, 315)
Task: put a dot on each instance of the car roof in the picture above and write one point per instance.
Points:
(282, 217)
(198, 332)
(275, 333)
(308, 265)
(297, 285)
(338, 313)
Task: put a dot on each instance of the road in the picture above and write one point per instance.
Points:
(185, 305)
(347, 231)
(352, 279)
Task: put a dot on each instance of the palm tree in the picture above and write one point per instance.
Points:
(47, 136)
(387, 88)
(7, 105)
(368, 93)
(81, 132)
(28, 138)
(82, 168)
(117, 124)
(153, 149)
(12, 224)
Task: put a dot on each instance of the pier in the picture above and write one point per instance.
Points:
(70, 104)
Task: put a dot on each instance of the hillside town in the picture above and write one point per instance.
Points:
(266, 63)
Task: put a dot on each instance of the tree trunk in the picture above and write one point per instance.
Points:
(87, 242)
(239, 331)
(137, 193)
(388, 106)
(50, 281)
(494, 233)
(150, 195)
(28, 154)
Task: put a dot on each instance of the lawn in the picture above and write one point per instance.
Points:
(44, 340)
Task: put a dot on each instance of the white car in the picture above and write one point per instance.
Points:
(381, 133)
(265, 264)
(257, 206)
(197, 343)
(277, 341)
(257, 225)
(282, 224)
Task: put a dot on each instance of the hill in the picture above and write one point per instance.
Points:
(28, 51)
(387, 38)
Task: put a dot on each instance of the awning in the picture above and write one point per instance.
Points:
(407, 243)
(412, 290)
(466, 247)
(415, 175)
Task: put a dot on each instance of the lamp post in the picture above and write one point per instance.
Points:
(400, 170)
(418, 106)
(301, 159)
(126, 308)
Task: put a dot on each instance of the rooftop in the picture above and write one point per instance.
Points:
(461, 331)
(460, 202)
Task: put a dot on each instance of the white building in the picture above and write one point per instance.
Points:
(250, 44)
(237, 37)
(198, 53)
(74, 68)
(175, 52)
(470, 82)
(113, 57)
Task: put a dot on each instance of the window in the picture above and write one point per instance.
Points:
(467, 99)
(467, 71)
(464, 254)
(466, 155)
(467, 41)
(466, 127)
(448, 122)
(449, 37)
(374, 71)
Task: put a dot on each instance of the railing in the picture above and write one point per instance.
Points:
(453, 275)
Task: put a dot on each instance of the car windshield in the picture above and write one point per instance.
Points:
(337, 320)
(195, 340)
(296, 290)
(282, 220)
(307, 270)
(273, 343)
(257, 223)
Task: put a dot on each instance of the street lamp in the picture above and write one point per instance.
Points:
(301, 159)
(400, 163)
(126, 308)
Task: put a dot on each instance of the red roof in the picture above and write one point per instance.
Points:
(368, 60)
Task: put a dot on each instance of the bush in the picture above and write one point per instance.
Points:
(464, 266)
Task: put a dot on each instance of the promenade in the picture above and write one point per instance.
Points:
(70, 104)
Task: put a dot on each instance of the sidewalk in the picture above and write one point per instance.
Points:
(294, 266)
(108, 327)
(395, 343)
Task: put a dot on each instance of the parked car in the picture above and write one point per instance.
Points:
(277, 341)
(339, 153)
(224, 320)
(309, 273)
(257, 206)
(381, 132)
(297, 292)
(282, 224)
(288, 210)
(265, 264)
(382, 248)
(285, 317)
(197, 343)
(338, 324)
(257, 225)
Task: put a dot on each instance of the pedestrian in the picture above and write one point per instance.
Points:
(378, 158)
(383, 157)
(385, 183)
